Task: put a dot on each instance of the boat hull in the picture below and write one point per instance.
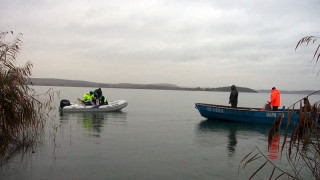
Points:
(250, 115)
(112, 106)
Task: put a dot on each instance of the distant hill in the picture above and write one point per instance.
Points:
(79, 83)
(290, 92)
(228, 89)
(162, 86)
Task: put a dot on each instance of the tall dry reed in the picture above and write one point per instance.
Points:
(301, 147)
(22, 114)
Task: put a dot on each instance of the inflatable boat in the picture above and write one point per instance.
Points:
(66, 106)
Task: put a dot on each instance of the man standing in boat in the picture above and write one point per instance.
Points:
(233, 99)
(275, 99)
(307, 105)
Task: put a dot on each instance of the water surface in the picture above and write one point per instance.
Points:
(159, 135)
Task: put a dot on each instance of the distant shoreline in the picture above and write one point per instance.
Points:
(79, 83)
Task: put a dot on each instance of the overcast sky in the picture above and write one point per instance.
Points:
(189, 43)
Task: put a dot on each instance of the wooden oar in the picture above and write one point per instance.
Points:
(80, 101)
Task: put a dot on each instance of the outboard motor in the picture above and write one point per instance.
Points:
(64, 102)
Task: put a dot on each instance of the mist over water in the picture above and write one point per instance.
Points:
(159, 135)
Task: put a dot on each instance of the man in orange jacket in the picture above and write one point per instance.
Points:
(275, 99)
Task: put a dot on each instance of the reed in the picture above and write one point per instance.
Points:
(22, 112)
(311, 40)
(301, 146)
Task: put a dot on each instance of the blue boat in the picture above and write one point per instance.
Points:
(243, 114)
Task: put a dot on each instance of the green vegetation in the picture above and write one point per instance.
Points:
(22, 113)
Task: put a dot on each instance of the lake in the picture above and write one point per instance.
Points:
(159, 135)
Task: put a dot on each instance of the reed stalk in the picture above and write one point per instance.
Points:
(302, 145)
(22, 113)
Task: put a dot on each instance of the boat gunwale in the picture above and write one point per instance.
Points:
(107, 108)
(244, 108)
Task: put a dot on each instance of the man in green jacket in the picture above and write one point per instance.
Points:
(87, 98)
(97, 95)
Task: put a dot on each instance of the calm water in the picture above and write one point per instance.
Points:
(159, 135)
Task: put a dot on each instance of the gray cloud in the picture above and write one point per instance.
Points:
(188, 43)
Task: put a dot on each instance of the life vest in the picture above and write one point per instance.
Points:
(87, 97)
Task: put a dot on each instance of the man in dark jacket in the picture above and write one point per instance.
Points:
(307, 105)
(233, 99)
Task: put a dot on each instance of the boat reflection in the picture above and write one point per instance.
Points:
(214, 129)
(93, 122)
(274, 148)
(232, 142)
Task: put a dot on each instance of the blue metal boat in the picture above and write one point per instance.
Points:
(243, 114)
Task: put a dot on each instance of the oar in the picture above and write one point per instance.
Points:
(80, 101)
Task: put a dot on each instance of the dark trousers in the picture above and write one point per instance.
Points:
(234, 104)
(87, 103)
(275, 108)
(94, 101)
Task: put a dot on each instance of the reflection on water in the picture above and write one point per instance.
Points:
(165, 138)
(233, 129)
(232, 142)
(93, 122)
(274, 148)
